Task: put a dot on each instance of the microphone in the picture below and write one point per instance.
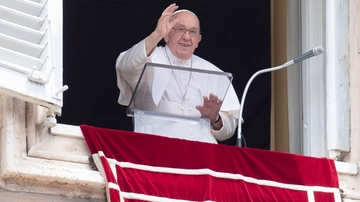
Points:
(315, 51)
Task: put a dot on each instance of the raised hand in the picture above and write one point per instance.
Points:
(162, 29)
(210, 108)
(164, 26)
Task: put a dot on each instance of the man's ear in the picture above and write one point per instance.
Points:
(198, 40)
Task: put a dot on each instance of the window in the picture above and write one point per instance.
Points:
(31, 51)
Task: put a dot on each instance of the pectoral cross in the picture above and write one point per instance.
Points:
(184, 107)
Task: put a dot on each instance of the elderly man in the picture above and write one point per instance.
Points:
(181, 32)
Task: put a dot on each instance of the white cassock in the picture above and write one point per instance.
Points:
(173, 89)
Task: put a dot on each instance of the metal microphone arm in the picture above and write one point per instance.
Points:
(316, 51)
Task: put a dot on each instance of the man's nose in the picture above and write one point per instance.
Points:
(186, 35)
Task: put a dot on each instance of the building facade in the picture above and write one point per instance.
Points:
(42, 160)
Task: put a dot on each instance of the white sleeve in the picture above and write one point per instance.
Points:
(129, 65)
(228, 129)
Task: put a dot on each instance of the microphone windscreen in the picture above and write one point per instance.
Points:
(318, 50)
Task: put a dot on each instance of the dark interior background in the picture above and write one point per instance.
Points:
(235, 37)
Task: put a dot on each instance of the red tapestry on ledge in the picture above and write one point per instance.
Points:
(143, 167)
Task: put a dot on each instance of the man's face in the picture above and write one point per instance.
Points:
(183, 45)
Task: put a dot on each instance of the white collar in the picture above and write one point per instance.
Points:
(174, 60)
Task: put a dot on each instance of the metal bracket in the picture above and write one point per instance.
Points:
(61, 90)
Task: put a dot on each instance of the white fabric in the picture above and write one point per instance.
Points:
(129, 66)
(183, 10)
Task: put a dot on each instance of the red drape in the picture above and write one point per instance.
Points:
(143, 167)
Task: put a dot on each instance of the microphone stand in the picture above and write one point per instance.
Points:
(316, 51)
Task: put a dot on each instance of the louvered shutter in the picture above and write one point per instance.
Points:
(31, 51)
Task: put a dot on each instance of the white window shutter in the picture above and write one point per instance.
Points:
(31, 49)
